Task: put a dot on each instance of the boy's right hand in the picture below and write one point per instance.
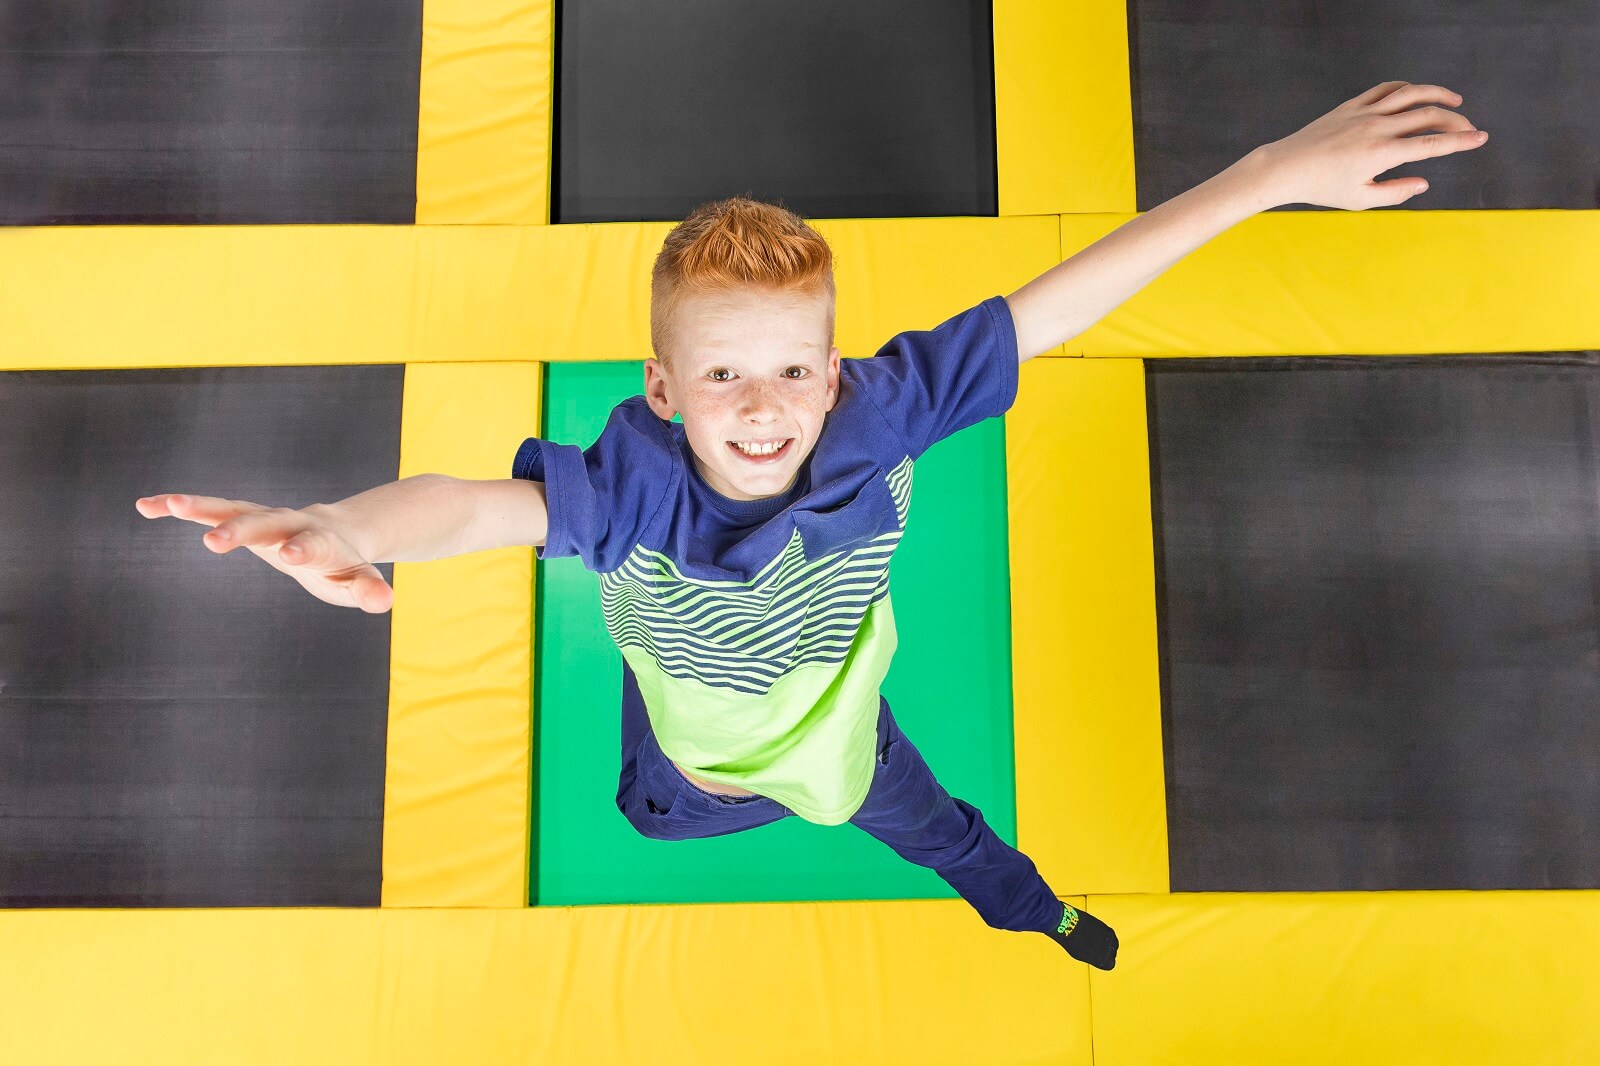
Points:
(305, 544)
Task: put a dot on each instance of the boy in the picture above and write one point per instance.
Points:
(743, 555)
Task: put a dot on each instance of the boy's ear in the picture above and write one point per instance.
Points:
(655, 390)
(833, 379)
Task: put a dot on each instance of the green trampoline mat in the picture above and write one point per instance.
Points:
(949, 687)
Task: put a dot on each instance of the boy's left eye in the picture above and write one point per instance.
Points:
(801, 369)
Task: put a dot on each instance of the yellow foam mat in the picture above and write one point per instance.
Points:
(1408, 978)
(1371, 978)
(298, 295)
(458, 764)
(1368, 283)
(1091, 797)
(484, 112)
(1063, 110)
(779, 983)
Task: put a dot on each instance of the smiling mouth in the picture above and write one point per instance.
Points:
(762, 455)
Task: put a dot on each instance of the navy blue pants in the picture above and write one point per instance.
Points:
(906, 809)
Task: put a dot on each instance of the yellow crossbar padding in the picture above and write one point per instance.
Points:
(1091, 798)
(1375, 978)
(1368, 283)
(1063, 109)
(457, 780)
(124, 296)
(892, 982)
(484, 112)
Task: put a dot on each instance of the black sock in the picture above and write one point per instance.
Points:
(1085, 937)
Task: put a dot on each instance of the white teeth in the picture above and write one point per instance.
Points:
(758, 449)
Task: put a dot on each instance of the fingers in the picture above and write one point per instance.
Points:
(233, 522)
(1407, 96)
(264, 527)
(310, 547)
(311, 553)
(207, 510)
(1377, 92)
(1457, 134)
(364, 588)
(1411, 149)
(1395, 191)
(372, 593)
(299, 550)
(1426, 118)
(159, 506)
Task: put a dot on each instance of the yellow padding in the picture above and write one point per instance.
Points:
(1490, 978)
(456, 798)
(1370, 283)
(777, 983)
(484, 112)
(124, 296)
(1091, 797)
(1063, 110)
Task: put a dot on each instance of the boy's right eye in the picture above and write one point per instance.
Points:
(719, 370)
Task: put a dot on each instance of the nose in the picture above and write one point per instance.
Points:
(758, 405)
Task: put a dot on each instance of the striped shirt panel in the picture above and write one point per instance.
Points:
(744, 636)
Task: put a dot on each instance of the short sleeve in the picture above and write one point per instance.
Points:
(929, 384)
(601, 499)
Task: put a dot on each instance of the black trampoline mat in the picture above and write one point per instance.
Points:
(1216, 78)
(836, 109)
(180, 728)
(1378, 584)
(209, 111)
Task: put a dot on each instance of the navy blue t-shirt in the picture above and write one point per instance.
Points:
(759, 630)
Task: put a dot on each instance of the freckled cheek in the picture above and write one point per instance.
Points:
(710, 426)
(813, 411)
(708, 414)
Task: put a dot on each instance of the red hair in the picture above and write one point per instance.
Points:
(734, 244)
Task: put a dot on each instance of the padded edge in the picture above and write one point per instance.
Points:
(277, 295)
(800, 983)
(457, 800)
(1063, 107)
(484, 117)
(1338, 978)
(1091, 794)
(1367, 283)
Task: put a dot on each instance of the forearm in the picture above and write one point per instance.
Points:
(415, 519)
(1072, 296)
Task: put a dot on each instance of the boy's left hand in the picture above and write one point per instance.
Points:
(1331, 162)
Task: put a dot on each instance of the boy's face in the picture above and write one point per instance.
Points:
(748, 369)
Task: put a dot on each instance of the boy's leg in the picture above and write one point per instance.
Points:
(911, 812)
(659, 801)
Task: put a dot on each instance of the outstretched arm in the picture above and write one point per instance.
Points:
(1330, 163)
